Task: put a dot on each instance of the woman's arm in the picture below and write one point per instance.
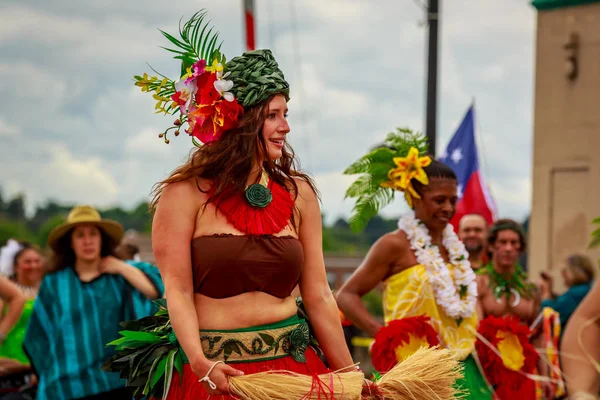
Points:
(136, 278)
(15, 300)
(376, 266)
(319, 302)
(579, 373)
(172, 233)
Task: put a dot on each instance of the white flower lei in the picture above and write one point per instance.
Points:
(447, 293)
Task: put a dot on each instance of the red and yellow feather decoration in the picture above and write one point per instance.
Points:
(399, 339)
(507, 371)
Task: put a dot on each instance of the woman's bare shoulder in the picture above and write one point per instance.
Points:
(192, 190)
(394, 241)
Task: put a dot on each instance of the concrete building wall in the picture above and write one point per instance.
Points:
(566, 159)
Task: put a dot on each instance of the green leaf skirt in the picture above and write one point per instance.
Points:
(147, 353)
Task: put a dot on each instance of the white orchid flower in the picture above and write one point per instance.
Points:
(188, 90)
(223, 86)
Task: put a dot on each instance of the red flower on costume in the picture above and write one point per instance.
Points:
(207, 94)
(518, 357)
(208, 122)
(398, 335)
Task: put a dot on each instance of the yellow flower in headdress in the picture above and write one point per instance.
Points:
(400, 150)
(407, 169)
(215, 67)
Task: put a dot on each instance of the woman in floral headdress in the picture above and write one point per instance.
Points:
(430, 291)
(236, 229)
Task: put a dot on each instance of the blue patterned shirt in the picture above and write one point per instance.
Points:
(71, 323)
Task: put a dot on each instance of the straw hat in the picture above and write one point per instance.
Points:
(86, 215)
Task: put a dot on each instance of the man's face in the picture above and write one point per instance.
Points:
(472, 232)
(506, 249)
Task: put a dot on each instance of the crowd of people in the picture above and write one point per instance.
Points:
(240, 287)
(61, 311)
(503, 325)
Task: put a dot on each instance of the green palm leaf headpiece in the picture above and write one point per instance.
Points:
(211, 94)
(390, 167)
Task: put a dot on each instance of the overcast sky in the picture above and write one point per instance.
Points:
(74, 128)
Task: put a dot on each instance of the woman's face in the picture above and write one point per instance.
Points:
(437, 204)
(567, 276)
(275, 127)
(86, 242)
(29, 267)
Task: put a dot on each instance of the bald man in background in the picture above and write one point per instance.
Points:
(472, 231)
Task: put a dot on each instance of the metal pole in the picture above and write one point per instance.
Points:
(432, 64)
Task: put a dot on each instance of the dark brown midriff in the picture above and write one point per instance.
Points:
(229, 265)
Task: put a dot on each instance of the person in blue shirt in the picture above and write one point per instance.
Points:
(80, 305)
(578, 276)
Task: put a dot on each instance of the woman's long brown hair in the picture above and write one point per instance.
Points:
(227, 163)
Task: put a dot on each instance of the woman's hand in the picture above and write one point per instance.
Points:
(218, 373)
(111, 265)
(370, 390)
(545, 285)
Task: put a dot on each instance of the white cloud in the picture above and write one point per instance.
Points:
(332, 187)
(515, 196)
(63, 176)
(8, 130)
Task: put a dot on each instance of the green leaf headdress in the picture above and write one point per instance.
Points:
(211, 94)
(389, 167)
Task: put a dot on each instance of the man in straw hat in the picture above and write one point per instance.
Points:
(80, 305)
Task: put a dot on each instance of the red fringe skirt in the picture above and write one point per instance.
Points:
(189, 388)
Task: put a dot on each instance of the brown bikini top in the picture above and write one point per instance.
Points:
(228, 265)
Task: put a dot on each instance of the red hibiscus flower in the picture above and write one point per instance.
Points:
(231, 113)
(206, 94)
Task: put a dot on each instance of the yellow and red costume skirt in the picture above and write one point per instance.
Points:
(402, 337)
(507, 358)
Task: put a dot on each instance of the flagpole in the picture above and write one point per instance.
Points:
(249, 23)
(432, 65)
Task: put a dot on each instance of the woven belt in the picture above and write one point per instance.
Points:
(260, 344)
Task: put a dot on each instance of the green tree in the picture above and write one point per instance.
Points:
(47, 227)
(374, 302)
(16, 207)
(16, 230)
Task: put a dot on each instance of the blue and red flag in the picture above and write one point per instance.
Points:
(461, 155)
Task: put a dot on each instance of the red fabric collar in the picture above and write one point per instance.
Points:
(251, 220)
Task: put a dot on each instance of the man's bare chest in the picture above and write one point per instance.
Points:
(512, 305)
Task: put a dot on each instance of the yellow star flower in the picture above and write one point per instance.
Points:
(215, 67)
(407, 169)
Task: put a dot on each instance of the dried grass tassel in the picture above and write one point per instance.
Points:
(429, 373)
(286, 385)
